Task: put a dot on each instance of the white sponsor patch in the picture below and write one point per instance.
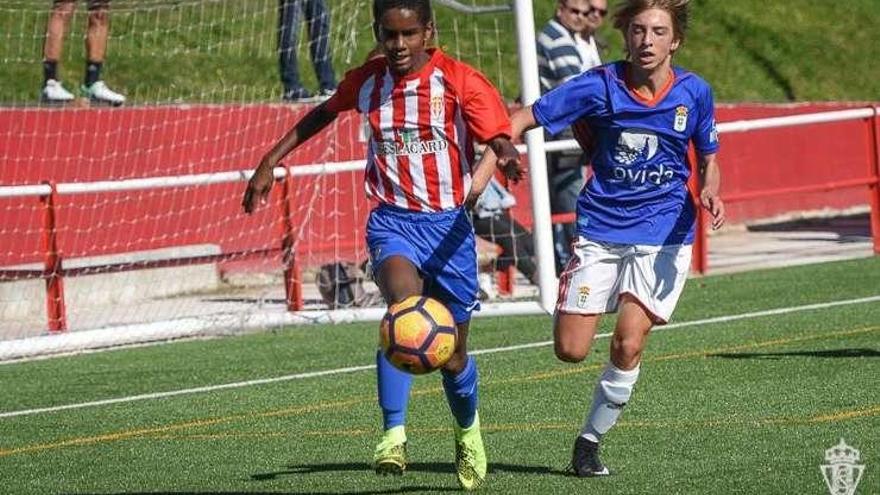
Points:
(411, 148)
(635, 144)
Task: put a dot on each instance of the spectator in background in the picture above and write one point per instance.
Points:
(568, 46)
(290, 13)
(96, 47)
(492, 222)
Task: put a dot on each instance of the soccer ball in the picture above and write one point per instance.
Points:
(418, 335)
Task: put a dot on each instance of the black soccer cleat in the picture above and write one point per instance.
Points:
(585, 461)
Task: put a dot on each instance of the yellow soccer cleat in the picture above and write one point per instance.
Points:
(470, 456)
(390, 455)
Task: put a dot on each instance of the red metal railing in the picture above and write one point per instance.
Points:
(871, 180)
(874, 170)
(54, 272)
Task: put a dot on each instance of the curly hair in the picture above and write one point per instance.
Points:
(420, 7)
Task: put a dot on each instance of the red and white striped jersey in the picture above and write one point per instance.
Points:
(423, 126)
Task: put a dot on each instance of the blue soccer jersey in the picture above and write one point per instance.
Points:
(638, 192)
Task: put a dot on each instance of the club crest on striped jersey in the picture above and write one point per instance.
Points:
(681, 118)
(436, 106)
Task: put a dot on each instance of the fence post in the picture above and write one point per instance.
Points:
(874, 188)
(700, 261)
(292, 276)
(56, 311)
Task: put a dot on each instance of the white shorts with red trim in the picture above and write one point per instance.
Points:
(598, 273)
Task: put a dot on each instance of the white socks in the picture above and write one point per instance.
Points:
(611, 394)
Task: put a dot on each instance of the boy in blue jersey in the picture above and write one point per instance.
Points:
(635, 217)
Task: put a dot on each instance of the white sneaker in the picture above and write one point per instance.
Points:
(54, 92)
(325, 94)
(99, 91)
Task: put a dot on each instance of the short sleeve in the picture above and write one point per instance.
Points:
(706, 134)
(484, 110)
(584, 95)
(346, 96)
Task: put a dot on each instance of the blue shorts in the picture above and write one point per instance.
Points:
(442, 247)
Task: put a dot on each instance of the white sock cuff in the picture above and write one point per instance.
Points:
(613, 373)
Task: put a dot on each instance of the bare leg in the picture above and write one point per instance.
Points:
(458, 360)
(619, 377)
(573, 335)
(398, 279)
(630, 334)
(59, 20)
(98, 31)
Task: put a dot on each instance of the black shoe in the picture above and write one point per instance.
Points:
(585, 461)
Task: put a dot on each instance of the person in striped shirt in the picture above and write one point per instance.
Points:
(567, 46)
(425, 111)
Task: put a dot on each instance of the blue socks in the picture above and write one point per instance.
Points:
(394, 388)
(461, 393)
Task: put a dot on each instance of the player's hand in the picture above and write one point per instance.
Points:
(512, 167)
(713, 203)
(507, 159)
(259, 186)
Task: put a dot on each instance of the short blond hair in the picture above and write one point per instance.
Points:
(678, 10)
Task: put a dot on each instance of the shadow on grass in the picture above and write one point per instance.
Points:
(413, 467)
(837, 353)
(402, 489)
(848, 228)
(300, 469)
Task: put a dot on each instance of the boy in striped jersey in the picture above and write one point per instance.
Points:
(425, 111)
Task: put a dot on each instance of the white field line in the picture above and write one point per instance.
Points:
(353, 369)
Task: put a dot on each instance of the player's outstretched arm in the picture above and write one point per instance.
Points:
(521, 121)
(258, 187)
(496, 148)
(709, 195)
(510, 163)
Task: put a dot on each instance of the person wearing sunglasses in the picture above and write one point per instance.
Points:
(567, 46)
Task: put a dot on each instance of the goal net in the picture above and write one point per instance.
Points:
(124, 224)
(121, 225)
